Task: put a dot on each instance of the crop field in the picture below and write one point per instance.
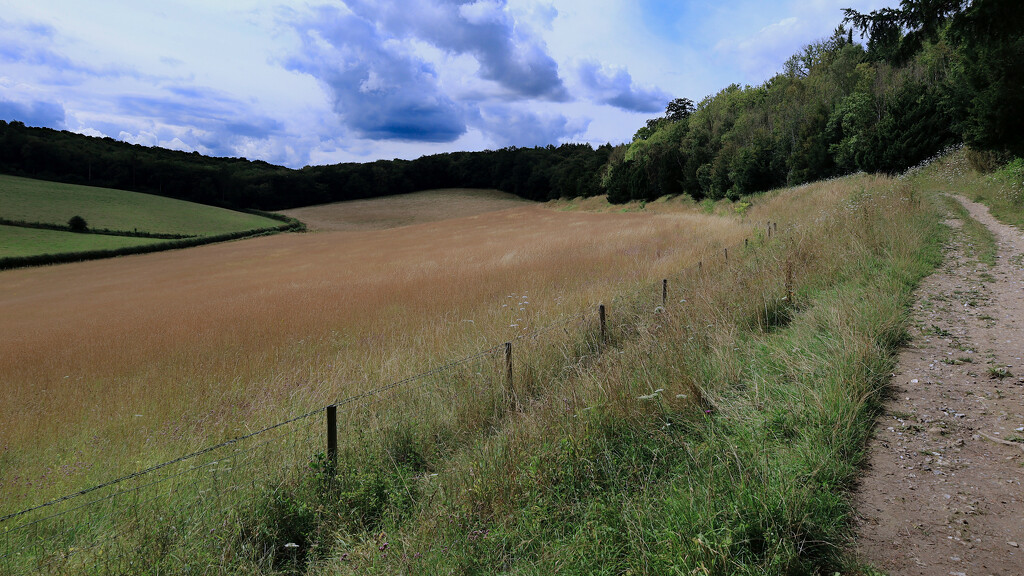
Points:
(126, 348)
(28, 200)
(712, 432)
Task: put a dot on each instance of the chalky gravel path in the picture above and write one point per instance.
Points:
(942, 491)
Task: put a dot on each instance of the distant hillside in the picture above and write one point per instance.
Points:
(404, 209)
(28, 200)
(48, 222)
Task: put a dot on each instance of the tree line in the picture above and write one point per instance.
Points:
(538, 173)
(930, 74)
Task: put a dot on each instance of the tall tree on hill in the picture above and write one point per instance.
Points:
(896, 34)
(679, 109)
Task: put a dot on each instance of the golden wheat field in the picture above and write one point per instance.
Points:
(109, 366)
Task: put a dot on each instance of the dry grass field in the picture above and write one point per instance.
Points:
(110, 366)
(405, 209)
(716, 434)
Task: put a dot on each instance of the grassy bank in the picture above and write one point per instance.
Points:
(716, 434)
(103, 208)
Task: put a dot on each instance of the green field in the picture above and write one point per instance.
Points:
(24, 199)
(16, 241)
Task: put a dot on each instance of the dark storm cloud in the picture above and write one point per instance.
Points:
(484, 30)
(380, 90)
(617, 89)
(42, 114)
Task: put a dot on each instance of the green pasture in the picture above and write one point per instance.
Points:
(28, 200)
(16, 242)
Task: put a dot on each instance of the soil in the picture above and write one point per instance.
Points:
(942, 491)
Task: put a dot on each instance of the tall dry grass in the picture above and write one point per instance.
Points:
(110, 366)
(715, 434)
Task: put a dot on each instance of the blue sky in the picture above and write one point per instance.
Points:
(299, 83)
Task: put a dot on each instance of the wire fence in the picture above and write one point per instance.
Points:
(104, 527)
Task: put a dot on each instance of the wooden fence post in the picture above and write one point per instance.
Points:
(789, 282)
(726, 254)
(769, 230)
(332, 438)
(508, 367)
(600, 312)
(664, 292)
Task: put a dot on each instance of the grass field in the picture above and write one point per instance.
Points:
(292, 320)
(24, 199)
(405, 209)
(714, 435)
(17, 241)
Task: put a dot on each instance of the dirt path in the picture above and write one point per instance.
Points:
(942, 493)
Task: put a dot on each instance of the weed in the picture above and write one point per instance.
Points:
(999, 372)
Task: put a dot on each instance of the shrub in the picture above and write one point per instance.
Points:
(78, 224)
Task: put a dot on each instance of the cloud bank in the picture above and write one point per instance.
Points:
(296, 82)
(380, 64)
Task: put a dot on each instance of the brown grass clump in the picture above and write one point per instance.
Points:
(113, 365)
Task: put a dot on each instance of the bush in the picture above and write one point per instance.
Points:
(78, 224)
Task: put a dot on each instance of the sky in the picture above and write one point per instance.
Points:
(300, 83)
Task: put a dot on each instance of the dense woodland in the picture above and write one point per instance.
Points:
(931, 73)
